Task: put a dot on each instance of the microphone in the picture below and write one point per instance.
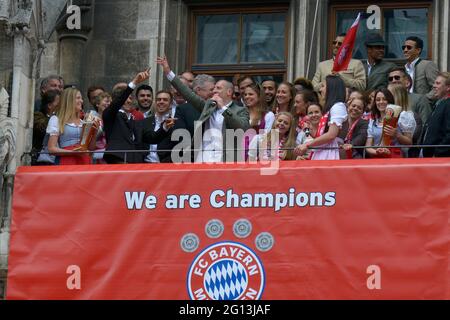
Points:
(213, 103)
(307, 132)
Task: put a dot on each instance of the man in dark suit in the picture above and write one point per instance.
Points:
(376, 68)
(120, 126)
(159, 152)
(217, 115)
(437, 129)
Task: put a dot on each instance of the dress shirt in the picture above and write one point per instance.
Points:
(212, 141)
(410, 69)
(153, 154)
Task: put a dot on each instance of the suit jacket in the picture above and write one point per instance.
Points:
(124, 134)
(419, 104)
(354, 76)
(235, 117)
(437, 130)
(378, 77)
(425, 72)
(186, 115)
(148, 125)
(359, 137)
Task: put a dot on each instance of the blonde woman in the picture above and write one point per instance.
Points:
(262, 146)
(65, 127)
(401, 98)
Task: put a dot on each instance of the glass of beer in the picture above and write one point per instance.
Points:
(88, 132)
(391, 119)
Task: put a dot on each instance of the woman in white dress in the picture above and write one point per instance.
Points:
(334, 114)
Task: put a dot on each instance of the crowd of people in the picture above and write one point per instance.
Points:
(335, 115)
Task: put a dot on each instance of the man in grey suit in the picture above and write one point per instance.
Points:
(376, 69)
(422, 72)
(217, 116)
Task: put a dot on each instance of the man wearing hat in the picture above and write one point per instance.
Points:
(377, 70)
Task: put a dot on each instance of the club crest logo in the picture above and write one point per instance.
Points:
(226, 270)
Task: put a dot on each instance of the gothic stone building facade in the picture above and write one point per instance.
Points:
(283, 39)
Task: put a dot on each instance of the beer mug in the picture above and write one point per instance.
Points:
(88, 131)
(392, 114)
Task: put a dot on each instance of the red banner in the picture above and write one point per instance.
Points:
(374, 229)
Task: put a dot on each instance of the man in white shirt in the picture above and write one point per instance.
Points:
(422, 72)
(163, 111)
(213, 139)
(217, 113)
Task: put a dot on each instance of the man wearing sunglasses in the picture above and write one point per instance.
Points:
(376, 69)
(418, 103)
(354, 76)
(422, 72)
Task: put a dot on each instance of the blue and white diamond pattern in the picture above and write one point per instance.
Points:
(226, 280)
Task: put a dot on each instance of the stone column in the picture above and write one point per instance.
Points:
(71, 50)
(307, 42)
(164, 23)
(72, 44)
(142, 30)
(441, 36)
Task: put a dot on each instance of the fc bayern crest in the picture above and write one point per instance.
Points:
(226, 271)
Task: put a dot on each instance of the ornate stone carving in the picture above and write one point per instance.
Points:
(20, 22)
(7, 135)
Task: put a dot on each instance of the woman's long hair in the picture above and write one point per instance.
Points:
(335, 92)
(65, 111)
(400, 96)
(261, 106)
(290, 137)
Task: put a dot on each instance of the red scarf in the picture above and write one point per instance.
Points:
(280, 147)
(320, 130)
(348, 139)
